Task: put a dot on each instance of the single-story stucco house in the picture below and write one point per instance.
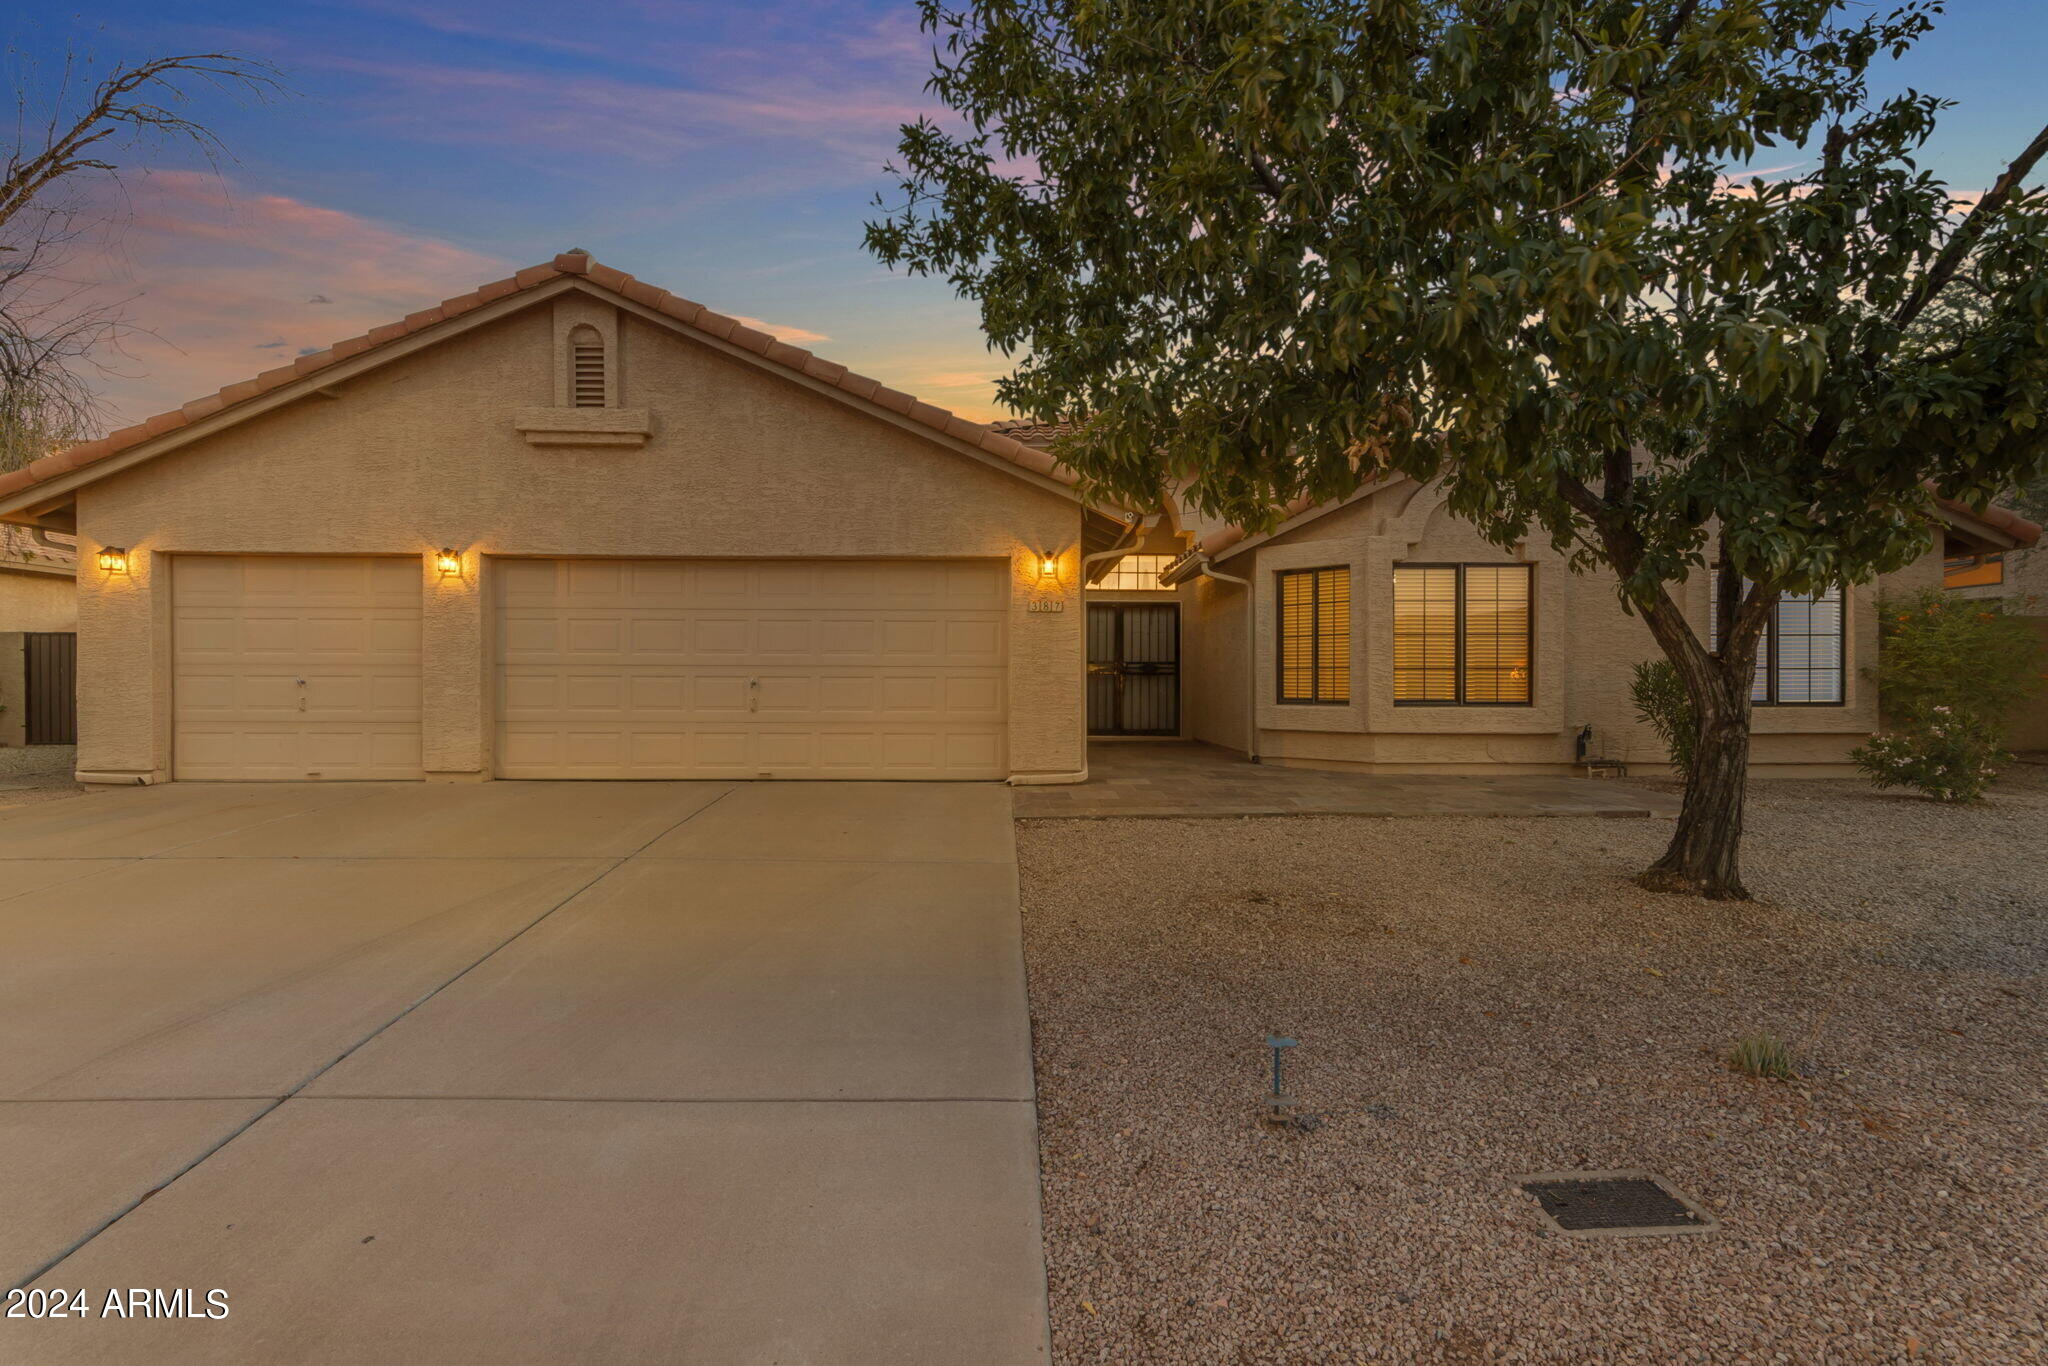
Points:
(573, 526)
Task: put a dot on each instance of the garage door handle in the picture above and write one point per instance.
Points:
(753, 694)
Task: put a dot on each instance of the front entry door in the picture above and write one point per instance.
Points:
(1133, 668)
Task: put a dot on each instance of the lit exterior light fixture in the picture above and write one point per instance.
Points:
(113, 559)
(1048, 565)
(448, 562)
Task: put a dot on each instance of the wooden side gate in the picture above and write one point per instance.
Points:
(50, 687)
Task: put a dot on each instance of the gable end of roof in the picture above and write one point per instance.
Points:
(937, 421)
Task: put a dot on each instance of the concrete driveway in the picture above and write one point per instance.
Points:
(551, 1072)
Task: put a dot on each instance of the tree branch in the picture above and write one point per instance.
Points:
(1267, 179)
(1958, 246)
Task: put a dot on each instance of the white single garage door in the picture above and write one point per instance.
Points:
(750, 668)
(295, 667)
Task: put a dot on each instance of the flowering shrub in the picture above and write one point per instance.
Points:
(1950, 670)
(1946, 757)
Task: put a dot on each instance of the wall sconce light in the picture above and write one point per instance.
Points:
(113, 559)
(448, 562)
(1048, 564)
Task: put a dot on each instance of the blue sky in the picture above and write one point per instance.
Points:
(725, 151)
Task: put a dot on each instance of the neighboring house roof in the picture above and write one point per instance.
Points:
(26, 551)
(1993, 522)
(691, 316)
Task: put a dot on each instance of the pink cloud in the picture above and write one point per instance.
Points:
(795, 336)
(219, 285)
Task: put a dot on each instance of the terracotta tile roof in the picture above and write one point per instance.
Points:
(19, 545)
(690, 314)
(1998, 518)
(2004, 519)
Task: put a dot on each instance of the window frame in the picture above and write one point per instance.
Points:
(1768, 644)
(1458, 667)
(1978, 561)
(1105, 586)
(1280, 697)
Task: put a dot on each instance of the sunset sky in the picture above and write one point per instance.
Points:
(725, 151)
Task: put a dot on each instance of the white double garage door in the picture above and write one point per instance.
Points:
(297, 667)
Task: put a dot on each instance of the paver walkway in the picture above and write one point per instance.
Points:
(1169, 779)
(521, 1072)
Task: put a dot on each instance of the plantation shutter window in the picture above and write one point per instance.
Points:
(1315, 635)
(1462, 634)
(1799, 660)
(1426, 633)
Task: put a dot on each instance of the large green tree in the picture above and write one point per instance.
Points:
(1278, 247)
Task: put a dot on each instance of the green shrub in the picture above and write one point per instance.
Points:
(1766, 1056)
(1661, 704)
(1967, 655)
(1946, 758)
(1950, 671)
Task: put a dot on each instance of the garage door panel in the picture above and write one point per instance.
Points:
(842, 695)
(722, 637)
(972, 749)
(717, 693)
(754, 668)
(974, 588)
(977, 641)
(594, 635)
(295, 667)
(842, 639)
(597, 580)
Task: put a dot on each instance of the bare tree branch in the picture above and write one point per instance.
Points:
(55, 330)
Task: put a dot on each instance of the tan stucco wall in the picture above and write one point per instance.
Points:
(34, 601)
(422, 453)
(1584, 647)
(1213, 639)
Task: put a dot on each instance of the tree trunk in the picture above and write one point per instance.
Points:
(1705, 855)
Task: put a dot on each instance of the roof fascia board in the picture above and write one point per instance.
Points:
(46, 571)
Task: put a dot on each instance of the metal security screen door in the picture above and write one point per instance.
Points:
(1133, 668)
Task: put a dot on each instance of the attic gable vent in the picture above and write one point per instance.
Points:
(586, 369)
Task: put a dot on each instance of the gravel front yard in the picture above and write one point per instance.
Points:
(1481, 998)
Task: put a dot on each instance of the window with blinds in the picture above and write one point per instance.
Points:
(586, 369)
(1315, 635)
(1462, 634)
(1799, 660)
